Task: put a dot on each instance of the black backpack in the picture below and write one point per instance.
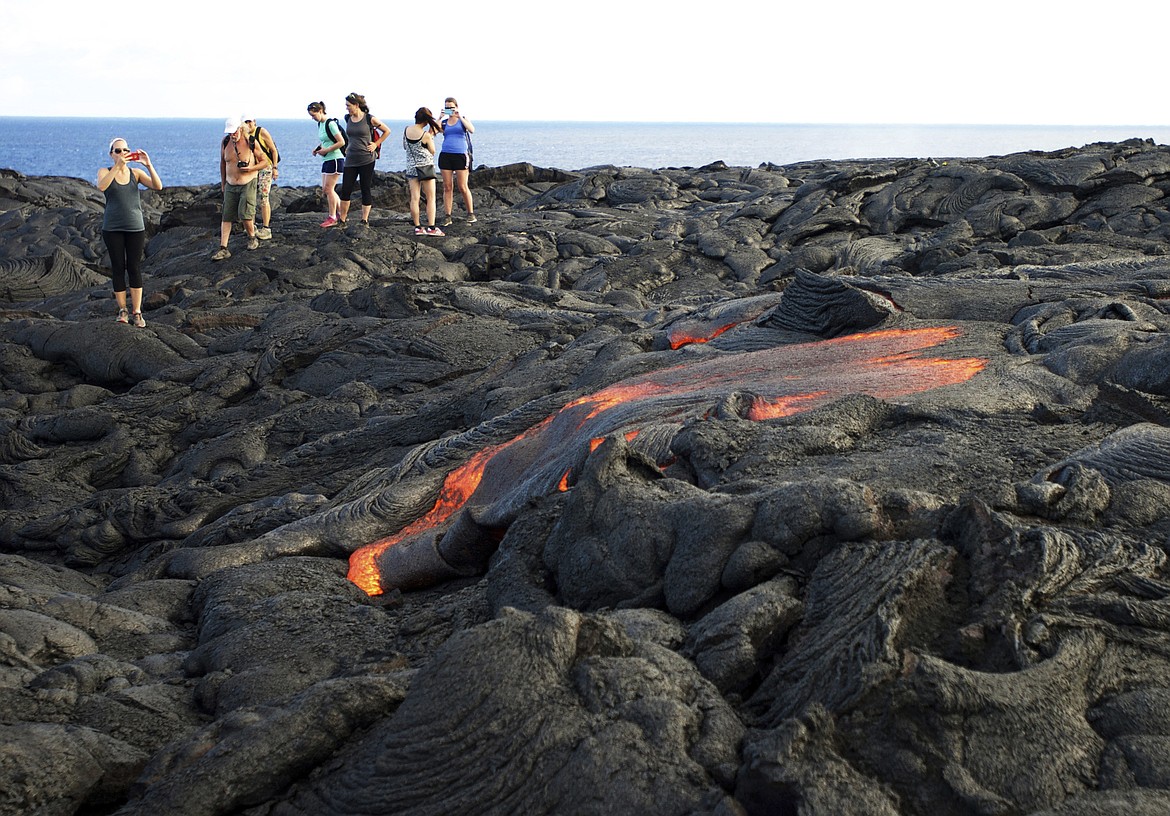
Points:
(340, 132)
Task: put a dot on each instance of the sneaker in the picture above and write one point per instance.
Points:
(435, 231)
(221, 253)
(138, 321)
(421, 231)
(447, 221)
(471, 219)
(329, 222)
(364, 223)
(253, 243)
(123, 316)
(263, 233)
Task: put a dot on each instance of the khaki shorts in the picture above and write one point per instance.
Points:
(239, 202)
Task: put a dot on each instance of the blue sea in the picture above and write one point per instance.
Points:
(185, 151)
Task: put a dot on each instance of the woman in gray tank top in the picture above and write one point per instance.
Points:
(123, 228)
(360, 154)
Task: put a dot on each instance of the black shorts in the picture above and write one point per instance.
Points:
(454, 161)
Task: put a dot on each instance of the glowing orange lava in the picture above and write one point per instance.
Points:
(781, 381)
(457, 488)
(782, 406)
(613, 395)
(680, 339)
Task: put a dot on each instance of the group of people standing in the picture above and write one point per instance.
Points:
(351, 150)
(249, 163)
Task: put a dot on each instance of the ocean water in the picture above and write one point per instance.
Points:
(185, 151)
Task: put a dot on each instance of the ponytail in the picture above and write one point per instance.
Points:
(423, 116)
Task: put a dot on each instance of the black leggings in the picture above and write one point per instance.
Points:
(366, 171)
(126, 250)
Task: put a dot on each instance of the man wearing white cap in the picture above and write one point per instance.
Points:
(239, 164)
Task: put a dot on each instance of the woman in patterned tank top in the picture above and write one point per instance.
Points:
(418, 140)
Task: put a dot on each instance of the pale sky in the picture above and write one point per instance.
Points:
(807, 61)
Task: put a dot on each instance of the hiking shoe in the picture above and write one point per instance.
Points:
(471, 219)
(221, 253)
(138, 321)
(329, 222)
(435, 231)
(123, 316)
(447, 221)
(421, 231)
(263, 233)
(253, 243)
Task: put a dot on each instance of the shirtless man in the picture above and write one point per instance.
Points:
(239, 165)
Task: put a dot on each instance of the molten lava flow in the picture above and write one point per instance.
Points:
(457, 488)
(596, 441)
(762, 408)
(613, 395)
(499, 481)
(678, 339)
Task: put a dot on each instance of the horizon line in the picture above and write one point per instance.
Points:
(627, 122)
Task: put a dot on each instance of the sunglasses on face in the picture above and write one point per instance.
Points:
(121, 150)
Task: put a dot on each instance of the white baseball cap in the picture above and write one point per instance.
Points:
(232, 124)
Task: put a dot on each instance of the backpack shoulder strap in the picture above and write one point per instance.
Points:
(274, 154)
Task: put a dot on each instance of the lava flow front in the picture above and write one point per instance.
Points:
(499, 480)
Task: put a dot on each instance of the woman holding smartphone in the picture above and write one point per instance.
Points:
(455, 159)
(333, 160)
(123, 227)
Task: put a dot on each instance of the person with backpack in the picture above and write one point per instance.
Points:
(365, 135)
(332, 152)
(259, 137)
(240, 161)
(455, 159)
